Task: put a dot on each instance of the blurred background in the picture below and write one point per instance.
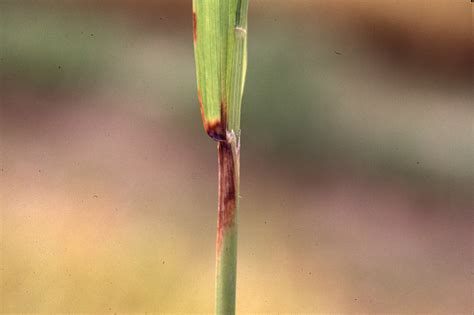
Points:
(357, 159)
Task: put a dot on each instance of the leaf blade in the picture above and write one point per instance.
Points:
(220, 54)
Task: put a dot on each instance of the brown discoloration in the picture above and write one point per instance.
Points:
(224, 113)
(227, 200)
(201, 106)
(194, 27)
(215, 129)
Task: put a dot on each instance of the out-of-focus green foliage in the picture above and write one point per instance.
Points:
(306, 101)
(53, 49)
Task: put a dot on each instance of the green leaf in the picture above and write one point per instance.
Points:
(220, 44)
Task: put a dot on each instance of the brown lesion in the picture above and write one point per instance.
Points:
(201, 106)
(216, 129)
(194, 27)
(227, 199)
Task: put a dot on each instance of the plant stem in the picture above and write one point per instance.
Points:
(220, 43)
(229, 173)
(226, 245)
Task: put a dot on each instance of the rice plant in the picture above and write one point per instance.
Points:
(220, 45)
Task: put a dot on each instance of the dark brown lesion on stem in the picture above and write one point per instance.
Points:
(227, 199)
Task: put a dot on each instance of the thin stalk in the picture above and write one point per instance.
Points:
(220, 43)
(229, 171)
(226, 245)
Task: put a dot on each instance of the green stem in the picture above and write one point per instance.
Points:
(229, 171)
(228, 204)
